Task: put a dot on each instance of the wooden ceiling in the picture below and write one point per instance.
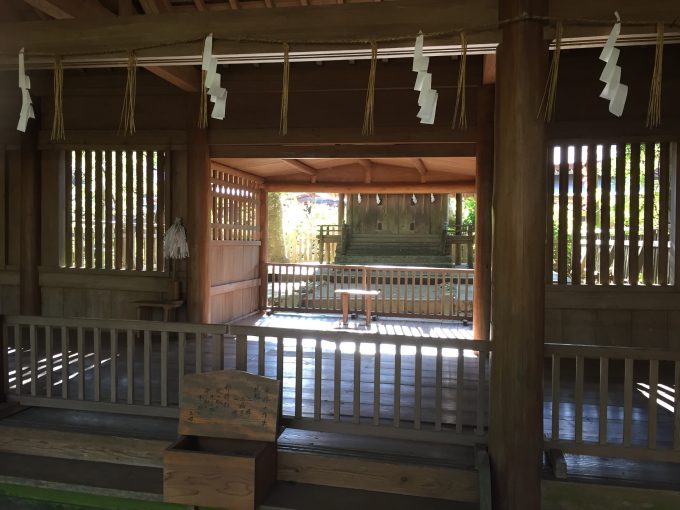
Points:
(395, 175)
(32, 10)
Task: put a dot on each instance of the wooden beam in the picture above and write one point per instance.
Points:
(185, 78)
(301, 167)
(516, 388)
(233, 4)
(198, 223)
(422, 169)
(29, 284)
(481, 294)
(236, 171)
(489, 69)
(367, 165)
(67, 9)
(263, 225)
(200, 5)
(382, 20)
(374, 187)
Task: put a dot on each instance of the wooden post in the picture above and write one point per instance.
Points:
(341, 209)
(29, 286)
(459, 226)
(516, 405)
(481, 301)
(262, 262)
(198, 222)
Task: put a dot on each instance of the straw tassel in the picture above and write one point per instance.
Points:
(58, 117)
(548, 102)
(654, 108)
(459, 112)
(283, 123)
(127, 116)
(368, 127)
(203, 107)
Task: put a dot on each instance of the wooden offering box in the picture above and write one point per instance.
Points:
(226, 456)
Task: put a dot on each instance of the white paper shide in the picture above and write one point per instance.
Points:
(614, 91)
(427, 99)
(217, 93)
(26, 103)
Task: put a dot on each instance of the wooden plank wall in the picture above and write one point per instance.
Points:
(234, 245)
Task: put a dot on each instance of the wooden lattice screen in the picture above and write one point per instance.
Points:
(114, 209)
(234, 213)
(613, 225)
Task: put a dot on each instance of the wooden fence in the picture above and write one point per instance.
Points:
(440, 293)
(387, 385)
(614, 401)
(115, 365)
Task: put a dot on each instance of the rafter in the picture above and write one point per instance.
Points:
(184, 77)
(233, 4)
(200, 5)
(301, 167)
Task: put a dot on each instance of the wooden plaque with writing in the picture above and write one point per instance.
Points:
(230, 404)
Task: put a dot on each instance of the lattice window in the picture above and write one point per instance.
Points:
(114, 210)
(234, 215)
(610, 217)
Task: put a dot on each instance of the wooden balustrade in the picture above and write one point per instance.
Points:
(386, 385)
(610, 414)
(440, 293)
(118, 365)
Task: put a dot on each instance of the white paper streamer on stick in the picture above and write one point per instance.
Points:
(427, 99)
(217, 93)
(26, 102)
(614, 91)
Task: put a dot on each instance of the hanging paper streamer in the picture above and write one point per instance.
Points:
(378, 200)
(654, 108)
(58, 117)
(614, 91)
(459, 112)
(359, 198)
(26, 103)
(427, 99)
(432, 198)
(127, 116)
(414, 200)
(548, 101)
(370, 92)
(283, 123)
(212, 86)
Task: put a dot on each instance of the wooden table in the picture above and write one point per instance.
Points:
(168, 308)
(344, 299)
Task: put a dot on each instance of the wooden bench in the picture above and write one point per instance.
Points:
(168, 308)
(344, 299)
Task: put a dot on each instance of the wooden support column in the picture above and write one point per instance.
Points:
(198, 222)
(29, 286)
(481, 303)
(341, 209)
(516, 406)
(459, 225)
(262, 263)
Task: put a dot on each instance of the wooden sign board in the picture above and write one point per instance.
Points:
(230, 404)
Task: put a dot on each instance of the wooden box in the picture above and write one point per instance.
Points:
(220, 473)
(226, 455)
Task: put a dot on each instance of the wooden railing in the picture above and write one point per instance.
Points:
(404, 291)
(116, 365)
(618, 401)
(387, 385)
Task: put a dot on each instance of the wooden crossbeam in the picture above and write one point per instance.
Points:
(466, 186)
(301, 167)
(379, 20)
(184, 77)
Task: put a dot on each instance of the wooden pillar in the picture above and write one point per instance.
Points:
(459, 225)
(198, 224)
(481, 303)
(262, 262)
(516, 406)
(341, 209)
(29, 285)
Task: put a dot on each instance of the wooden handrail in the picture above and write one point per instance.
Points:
(597, 351)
